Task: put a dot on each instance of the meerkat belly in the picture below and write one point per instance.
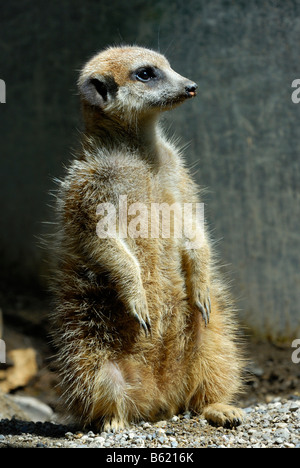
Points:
(154, 235)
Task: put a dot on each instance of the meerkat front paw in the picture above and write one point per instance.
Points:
(138, 308)
(201, 300)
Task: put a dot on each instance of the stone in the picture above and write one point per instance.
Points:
(9, 408)
(24, 367)
(35, 409)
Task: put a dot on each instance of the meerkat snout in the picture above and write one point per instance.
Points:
(191, 89)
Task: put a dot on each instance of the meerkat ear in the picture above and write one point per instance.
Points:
(98, 91)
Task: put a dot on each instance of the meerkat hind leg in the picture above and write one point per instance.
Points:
(220, 414)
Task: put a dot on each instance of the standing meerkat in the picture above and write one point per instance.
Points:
(143, 325)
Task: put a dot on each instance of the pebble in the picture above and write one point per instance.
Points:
(160, 432)
(295, 406)
(160, 424)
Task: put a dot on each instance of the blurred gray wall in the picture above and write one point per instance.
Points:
(243, 129)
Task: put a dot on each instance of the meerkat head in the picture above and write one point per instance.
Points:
(126, 81)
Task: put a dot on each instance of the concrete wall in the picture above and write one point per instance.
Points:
(242, 129)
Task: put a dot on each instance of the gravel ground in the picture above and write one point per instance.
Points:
(271, 403)
(274, 424)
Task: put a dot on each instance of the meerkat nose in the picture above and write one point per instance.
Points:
(191, 89)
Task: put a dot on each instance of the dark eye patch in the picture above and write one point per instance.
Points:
(146, 74)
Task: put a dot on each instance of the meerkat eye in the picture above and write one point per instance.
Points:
(145, 74)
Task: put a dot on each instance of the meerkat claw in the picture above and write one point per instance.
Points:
(204, 313)
(207, 312)
(145, 325)
(209, 303)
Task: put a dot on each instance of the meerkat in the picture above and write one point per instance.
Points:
(144, 326)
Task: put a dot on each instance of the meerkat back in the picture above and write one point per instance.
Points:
(143, 325)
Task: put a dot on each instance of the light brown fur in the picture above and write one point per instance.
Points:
(129, 318)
